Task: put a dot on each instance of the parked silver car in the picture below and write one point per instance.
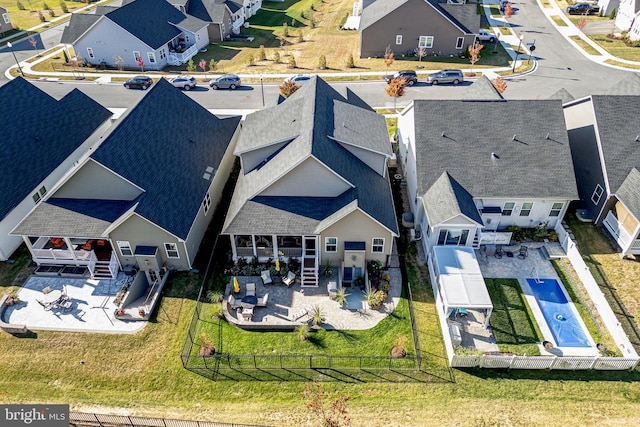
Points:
(228, 81)
(446, 76)
(184, 82)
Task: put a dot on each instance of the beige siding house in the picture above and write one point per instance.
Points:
(144, 198)
(313, 184)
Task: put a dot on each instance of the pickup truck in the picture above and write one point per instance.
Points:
(583, 9)
(486, 36)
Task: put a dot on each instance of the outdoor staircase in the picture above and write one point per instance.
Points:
(309, 276)
(476, 241)
(101, 270)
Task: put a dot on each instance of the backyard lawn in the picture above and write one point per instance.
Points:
(28, 18)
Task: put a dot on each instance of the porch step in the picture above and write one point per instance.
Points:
(102, 272)
(309, 279)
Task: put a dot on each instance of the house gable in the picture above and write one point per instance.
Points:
(303, 181)
(94, 181)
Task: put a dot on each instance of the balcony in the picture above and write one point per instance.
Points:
(179, 58)
(617, 230)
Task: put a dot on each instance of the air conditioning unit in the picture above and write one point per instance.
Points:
(414, 234)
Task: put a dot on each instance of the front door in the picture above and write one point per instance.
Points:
(310, 246)
(491, 221)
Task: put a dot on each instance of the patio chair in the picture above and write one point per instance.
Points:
(524, 252)
(499, 252)
(462, 312)
(247, 313)
(266, 277)
(46, 290)
(251, 289)
(262, 301)
(233, 302)
(298, 315)
(290, 279)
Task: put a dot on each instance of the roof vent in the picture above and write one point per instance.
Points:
(637, 138)
(546, 137)
(514, 137)
(494, 156)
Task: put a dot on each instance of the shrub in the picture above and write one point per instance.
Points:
(292, 62)
(45, 6)
(276, 57)
(52, 13)
(317, 316)
(41, 17)
(285, 30)
(212, 65)
(375, 299)
(64, 7)
(251, 60)
(213, 296)
(303, 332)
(312, 22)
(612, 15)
(350, 62)
(20, 6)
(261, 53)
(300, 36)
(191, 66)
(384, 286)
(322, 62)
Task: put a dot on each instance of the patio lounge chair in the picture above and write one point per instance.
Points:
(266, 277)
(524, 252)
(251, 289)
(290, 279)
(298, 315)
(462, 312)
(233, 302)
(262, 301)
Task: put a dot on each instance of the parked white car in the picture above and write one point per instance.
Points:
(486, 36)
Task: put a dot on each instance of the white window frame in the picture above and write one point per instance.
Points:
(206, 203)
(39, 195)
(163, 53)
(152, 57)
(124, 246)
(460, 43)
(5, 16)
(526, 211)
(136, 55)
(90, 53)
(508, 209)
(597, 194)
(170, 248)
(399, 39)
(554, 211)
(328, 244)
(377, 247)
(425, 41)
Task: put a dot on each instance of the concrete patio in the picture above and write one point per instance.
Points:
(92, 308)
(284, 301)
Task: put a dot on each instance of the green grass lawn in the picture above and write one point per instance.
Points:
(617, 48)
(584, 45)
(512, 322)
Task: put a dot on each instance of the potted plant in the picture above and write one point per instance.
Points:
(328, 269)
(341, 297)
(206, 345)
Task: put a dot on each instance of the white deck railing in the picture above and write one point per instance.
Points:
(495, 237)
(618, 231)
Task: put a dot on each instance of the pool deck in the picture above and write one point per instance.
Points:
(535, 265)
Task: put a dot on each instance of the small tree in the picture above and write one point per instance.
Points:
(474, 52)
(52, 13)
(213, 65)
(276, 57)
(63, 7)
(395, 89)
(331, 410)
(322, 62)
(262, 55)
(203, 65)
(508, 10)
(119, 62)
(41, 17)
(45, 6)
(421, 51)
(500, 84)
(300, 36)
(388, 58)
(581, 23)
(191, 66)
(251, 60)
(19, 5)
(288, 88)
(350, 62)
(285, 30)
(292, 62)
(140, 63)
(312, 21)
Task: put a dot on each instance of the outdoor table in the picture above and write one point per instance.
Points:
(249, 301)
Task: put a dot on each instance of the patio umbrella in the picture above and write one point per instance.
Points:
(236, 286)
(277, 264)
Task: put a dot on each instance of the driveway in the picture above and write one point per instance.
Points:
(600, 27)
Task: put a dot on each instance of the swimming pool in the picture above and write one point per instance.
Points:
(560, 316)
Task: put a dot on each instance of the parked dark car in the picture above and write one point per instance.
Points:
(583, 9)
(410, 75)
(139, 82)
(228, 81)
(446, 76)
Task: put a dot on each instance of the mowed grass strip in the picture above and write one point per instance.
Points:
(512, 323)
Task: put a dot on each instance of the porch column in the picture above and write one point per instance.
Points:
(234, 252)
(274, 245)
(67, 242)
(253, 243)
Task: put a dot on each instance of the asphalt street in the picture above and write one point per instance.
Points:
(559, 65)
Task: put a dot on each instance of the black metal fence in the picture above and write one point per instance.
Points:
(82, 419)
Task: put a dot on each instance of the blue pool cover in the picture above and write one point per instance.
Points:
(561, 319)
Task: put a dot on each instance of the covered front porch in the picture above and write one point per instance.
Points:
(181, 50)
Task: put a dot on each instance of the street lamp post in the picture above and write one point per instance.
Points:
(513, 70)
(10, 46)
(262, 90)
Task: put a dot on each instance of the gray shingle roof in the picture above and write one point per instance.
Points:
(306, 121)
(465, 15)
(618, 128)
(72, 217)
(154, 22)
(629, 192)
(481, 90)
(207, 10)
(38, 133)
(447, 198)
(378, 10)
(78, 25)
(166, 154)
(460, 137)
(460, 17)
(629, 85)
